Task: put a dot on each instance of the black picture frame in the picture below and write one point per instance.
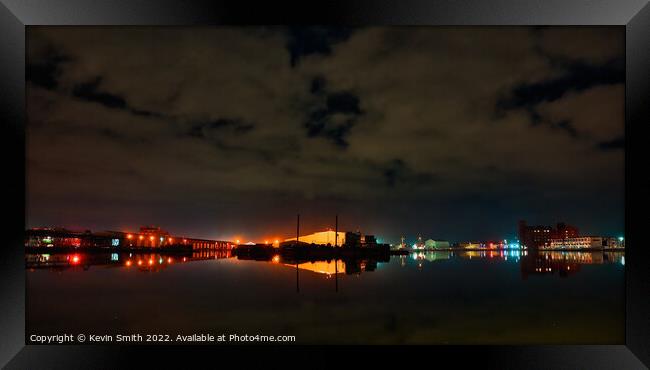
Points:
(634, 15)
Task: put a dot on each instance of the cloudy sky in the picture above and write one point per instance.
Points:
(452, 133)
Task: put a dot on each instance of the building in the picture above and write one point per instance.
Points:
(369, 240)
(344, 239)
(564, 231)
(436, 244)
(540, 236)
(581, 242)
(147, 237)
(470, 245)
(323, 238)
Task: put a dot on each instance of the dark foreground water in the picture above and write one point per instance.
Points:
(499, 297)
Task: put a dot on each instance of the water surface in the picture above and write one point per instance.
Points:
(478, 297)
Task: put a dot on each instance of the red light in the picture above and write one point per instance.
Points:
(169, 260)
(184, 259)
(128, 263)
(75, 259)
(139, 262)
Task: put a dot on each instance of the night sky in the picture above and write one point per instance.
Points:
(452, 133)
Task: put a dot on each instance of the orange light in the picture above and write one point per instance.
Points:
(276, 241)
(266, 242)
(150, 262)
(151, 238)
(128, 263)
(237, 241)
(170, 240)
(141, 237)
(75, 259)
(139, 262)
(169, 260)
(129, 236)
(184, 240)
(276, 258)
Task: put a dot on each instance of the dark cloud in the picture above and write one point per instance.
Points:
(43, 70)
(214, 128)
(577, 76)
(304, 41)
(618, 143)
(91, 92)
(335, 117)
(397, 173)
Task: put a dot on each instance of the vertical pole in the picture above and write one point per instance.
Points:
(336, 232)
(336, 273)
(296, 253)
(336, 244)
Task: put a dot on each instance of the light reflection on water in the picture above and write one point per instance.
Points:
(500, 297)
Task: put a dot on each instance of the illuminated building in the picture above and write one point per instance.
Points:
(323, 238)
(583, 242)
(470, 245)
(345, 239)
(436, 244)
(148, 237)
(419, 244)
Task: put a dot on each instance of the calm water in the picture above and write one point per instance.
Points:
(431, 298)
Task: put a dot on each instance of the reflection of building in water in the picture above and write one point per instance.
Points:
(347, 266)
(538, 264)
(431, 256)
(321, 267)
(210, 254)
(141, 261)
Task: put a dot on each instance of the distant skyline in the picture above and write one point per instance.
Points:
(449, 132)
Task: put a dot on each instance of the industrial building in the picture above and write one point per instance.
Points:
(147, 237)
(344, 239)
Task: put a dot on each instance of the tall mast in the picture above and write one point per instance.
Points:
(336, 231)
